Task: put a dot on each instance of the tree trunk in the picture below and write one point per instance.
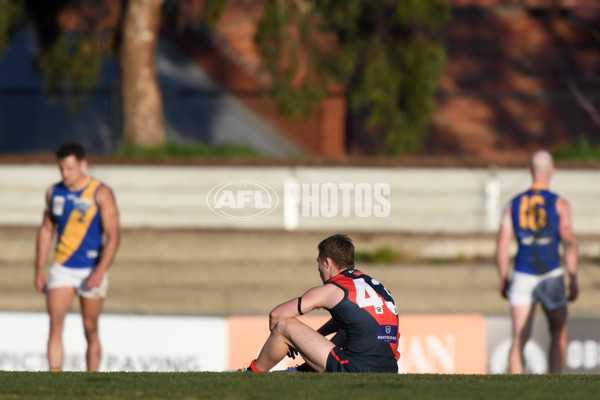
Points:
(143, 123)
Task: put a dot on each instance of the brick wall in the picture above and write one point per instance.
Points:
(518, 77)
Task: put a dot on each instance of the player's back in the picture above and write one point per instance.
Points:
(369, 317)
(536, 227)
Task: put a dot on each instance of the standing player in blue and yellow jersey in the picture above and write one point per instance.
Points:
(540, 220)
(363, 317)
(83, 212)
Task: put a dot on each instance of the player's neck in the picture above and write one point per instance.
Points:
(79, 184)
(540, 185)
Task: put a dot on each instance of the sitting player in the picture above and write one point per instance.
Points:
(363, 316)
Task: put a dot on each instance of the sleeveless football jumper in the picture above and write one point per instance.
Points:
(79, 228)
(536, 227)
(369, 316)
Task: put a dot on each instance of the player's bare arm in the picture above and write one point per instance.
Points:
(569, 242)
(326, 296)
(109, 216)
(505, 235)
(43, 245)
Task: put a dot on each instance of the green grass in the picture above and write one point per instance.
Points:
(387, 255)
(381, 255)
(187, 151)
(282, 386)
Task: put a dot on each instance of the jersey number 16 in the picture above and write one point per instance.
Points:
(532, 213)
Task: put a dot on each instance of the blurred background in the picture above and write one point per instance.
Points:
(490, 80)
(443, 101)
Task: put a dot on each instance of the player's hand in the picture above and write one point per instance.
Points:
(504, 288)
(94, 280)
(292, 353)
(573, 290)
(40, 282)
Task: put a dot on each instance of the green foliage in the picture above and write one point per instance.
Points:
(433, 14)
(580, 150)
(70, 59)
(11, 12)
(213, 9)
(67, 60)
(283, 386)
(74, 60)
(383, 52)
(180, 150)
(294, 102)
(271, 39)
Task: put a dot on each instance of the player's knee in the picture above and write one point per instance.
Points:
(57, 322)
(284, 326)
(90, 327)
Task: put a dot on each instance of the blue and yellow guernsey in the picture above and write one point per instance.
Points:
(79, 229)
(535, 223)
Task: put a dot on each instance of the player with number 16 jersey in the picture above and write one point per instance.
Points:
(535, 222)
(541, 221)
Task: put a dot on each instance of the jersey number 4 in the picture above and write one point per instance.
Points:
(532, 213)
(366, 296)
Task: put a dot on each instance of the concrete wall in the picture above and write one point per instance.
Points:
(427, 200)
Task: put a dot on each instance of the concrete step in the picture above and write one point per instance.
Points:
(238, 272)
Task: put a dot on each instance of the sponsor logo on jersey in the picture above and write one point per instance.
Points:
(387, 334)
(92, 254)
(82, 204)
(58, 205)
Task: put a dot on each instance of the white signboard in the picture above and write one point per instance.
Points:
(129, 342)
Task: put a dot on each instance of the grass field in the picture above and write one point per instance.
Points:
(236, 385)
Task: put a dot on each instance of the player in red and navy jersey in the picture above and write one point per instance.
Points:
(364, 320)
(540, 220)
(83, 213)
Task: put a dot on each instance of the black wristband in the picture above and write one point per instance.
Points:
(300, 306)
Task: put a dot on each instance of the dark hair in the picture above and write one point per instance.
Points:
(340, 249)
(70, 149)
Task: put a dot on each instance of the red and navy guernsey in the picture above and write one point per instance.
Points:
(369, 316)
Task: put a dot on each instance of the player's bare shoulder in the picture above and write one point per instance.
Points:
(563, 208)
(332, 294)
(325, 296)
(109, 212)
(105, 196)
(48, 194)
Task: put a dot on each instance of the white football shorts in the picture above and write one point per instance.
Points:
(548, 289)
(61, 276)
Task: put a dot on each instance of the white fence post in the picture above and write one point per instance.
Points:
(492, 203)
(291, 202)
